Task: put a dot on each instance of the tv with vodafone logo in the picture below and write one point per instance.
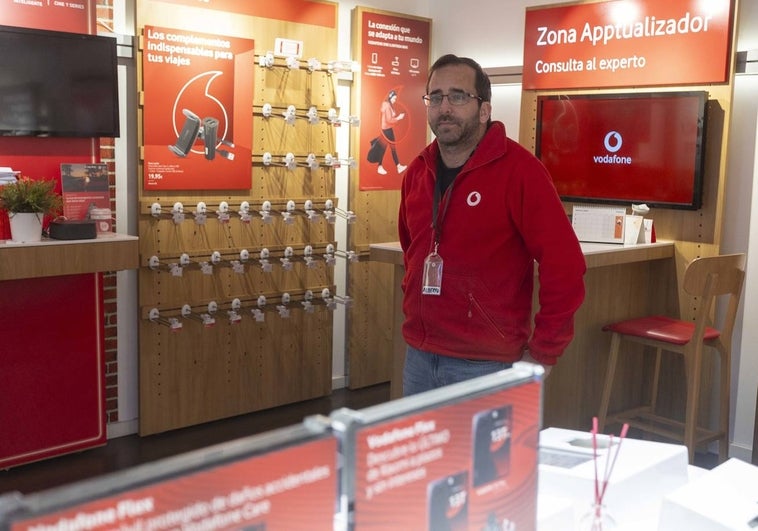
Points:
(622, 148)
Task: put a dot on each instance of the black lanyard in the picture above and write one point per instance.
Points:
(444, 181)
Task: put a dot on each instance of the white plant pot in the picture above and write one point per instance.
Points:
(25, 226)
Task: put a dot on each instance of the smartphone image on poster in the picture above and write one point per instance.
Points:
(447, 501)
(492, 432)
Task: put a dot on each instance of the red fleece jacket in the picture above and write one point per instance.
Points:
(503, 216)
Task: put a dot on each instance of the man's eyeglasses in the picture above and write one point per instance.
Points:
(454, 98)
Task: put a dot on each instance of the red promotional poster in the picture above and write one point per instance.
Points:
(197, 110)
(623, 43)
(74, 16)
(394, 63)
(85, 187)
(470, 465)
(292, 488)
(315, 12)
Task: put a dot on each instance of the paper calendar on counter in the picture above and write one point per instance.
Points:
(598, 223)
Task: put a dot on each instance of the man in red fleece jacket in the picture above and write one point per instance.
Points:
(477, 211)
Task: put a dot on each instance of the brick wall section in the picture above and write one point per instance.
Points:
(105, 16)
(107, 154)
(104, 10)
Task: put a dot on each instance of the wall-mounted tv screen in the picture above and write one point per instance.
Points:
(625, 148)
(57, 84)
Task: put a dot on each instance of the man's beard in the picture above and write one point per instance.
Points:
(465, 131)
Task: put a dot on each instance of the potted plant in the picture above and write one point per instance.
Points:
(27, 202)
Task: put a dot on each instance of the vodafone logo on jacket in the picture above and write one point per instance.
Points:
(474, 198)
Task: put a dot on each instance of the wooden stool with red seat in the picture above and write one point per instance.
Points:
(709, 279)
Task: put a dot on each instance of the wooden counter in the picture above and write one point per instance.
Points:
(392, 253)
(389, 253)
(52, 258)
(621, 281)
(595, 254)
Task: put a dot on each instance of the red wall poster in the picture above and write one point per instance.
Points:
(394, 62)
(74, 16)
(198, 110)
(628, 43)
(85, 187)
(470, 465)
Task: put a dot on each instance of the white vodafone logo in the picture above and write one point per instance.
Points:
(474, 198)
(613, 141)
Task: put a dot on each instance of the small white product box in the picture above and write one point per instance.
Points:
(722, 499)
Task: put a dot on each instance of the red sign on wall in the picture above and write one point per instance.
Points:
(75, 16)
(628, 43)
(313, 12)
(197, 111)
(394, 63)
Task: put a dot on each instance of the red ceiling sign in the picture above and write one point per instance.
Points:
(626, 43)
(75, 16)
(315, 12)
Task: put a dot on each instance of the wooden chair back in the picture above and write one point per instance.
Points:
(710, 278)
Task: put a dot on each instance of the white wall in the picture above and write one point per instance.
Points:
(741, 234)
(490, 31)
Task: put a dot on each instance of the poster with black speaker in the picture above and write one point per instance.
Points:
(198, 92)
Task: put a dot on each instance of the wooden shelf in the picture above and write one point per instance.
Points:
(390, 253)
(50, 258)
(608, 254)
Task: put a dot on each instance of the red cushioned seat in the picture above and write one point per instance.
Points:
(660, 328)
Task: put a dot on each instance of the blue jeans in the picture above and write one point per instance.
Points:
(424, 371)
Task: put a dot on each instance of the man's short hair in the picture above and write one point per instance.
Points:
(482, 80)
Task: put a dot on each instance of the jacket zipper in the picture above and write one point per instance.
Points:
(473, 302)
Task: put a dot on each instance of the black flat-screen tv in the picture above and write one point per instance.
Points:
(57, 84)
(643, 147)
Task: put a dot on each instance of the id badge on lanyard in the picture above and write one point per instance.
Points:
(432, 283)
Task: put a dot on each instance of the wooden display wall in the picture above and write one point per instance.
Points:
(242, 363)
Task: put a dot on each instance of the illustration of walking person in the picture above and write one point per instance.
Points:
(389, 117)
